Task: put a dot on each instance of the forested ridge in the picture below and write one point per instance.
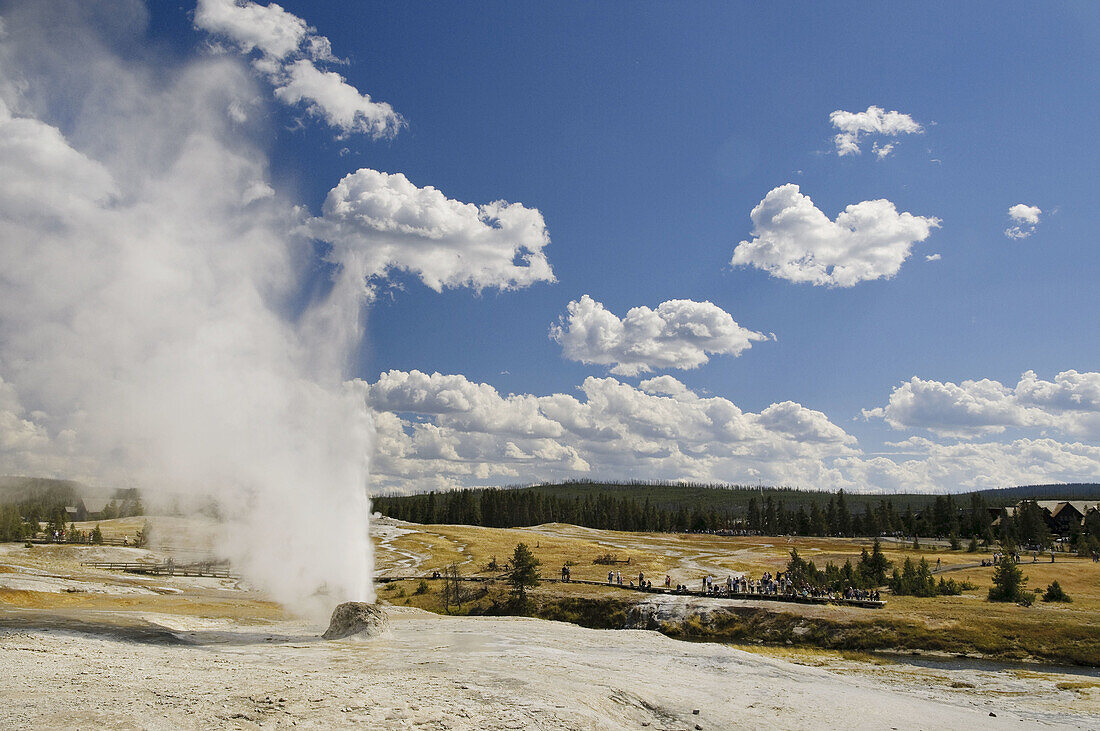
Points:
(690, 507)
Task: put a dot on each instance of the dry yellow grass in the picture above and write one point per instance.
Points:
(966, 623)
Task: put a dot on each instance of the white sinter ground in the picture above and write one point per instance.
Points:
(453, 672)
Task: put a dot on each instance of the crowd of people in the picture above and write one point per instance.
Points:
(768, 584)
(999, 557)
(615, 578)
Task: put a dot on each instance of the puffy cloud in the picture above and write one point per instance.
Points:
(327, 95)
(269, 28)
(1069, 404)
(796, 241)
(948, 408)
(379, 221)
(461, 404)
(42, 176)
(289, 51)
(19, 436)
(678, 334)
(932, 257)
(921, 465)
(874, 121)
(1024, 213)
(660, 429)
(1069, 392)
(1025, 219)
(444, 431)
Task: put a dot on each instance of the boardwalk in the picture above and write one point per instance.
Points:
(786, 598)
(212, 570)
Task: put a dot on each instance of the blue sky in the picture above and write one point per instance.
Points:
(645, 139)
(645, 136)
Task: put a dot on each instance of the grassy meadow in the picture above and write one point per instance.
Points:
(967, 624)
(963, 625)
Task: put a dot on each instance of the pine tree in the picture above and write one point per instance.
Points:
(843, 517)
(143, 535)
(525, 574)
(55, 529)
(925, 584)
(452, 589)
(879, 564)
(1008, 579)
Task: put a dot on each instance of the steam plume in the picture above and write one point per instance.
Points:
(154, 328)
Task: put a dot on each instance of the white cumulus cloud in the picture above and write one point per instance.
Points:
(289, 52)
(677, 334)
(659, 429)
(1025, 219)
(1069, 404)
(794, 240)
(379, 221)
(444, 431)
(268, 28)
(874, 121)
(327, 95)
(921, 465)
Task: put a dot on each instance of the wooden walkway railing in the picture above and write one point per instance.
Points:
(104, 542)
(787, 598)
(217, 571)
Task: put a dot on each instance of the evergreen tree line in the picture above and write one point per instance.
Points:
(868, 573)
(946, 516)
(22, 521)
(915, 579)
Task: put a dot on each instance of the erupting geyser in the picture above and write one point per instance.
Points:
(158, 327)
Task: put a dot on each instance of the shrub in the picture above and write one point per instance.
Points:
(1055, 593)
(948, 588)
(422, 587)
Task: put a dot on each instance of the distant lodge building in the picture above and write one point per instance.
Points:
(97, 508)
(1061, 516)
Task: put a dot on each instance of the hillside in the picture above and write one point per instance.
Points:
(683, 507)
(722, 498)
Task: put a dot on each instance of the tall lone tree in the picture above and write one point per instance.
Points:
(1008, 579)
(525, 573)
